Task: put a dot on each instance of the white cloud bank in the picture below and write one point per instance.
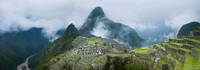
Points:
(53, 15)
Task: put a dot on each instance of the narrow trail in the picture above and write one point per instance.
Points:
(24, 65)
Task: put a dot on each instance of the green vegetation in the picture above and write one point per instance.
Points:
(166, 59)
(163, 61)
(178, 44)
(192, 62)
(186, 29)
(193, 40)
(16, 46)
(179, 65)
(101, 60)
(113, 50)
(158, 45)
(177, 39)
(122, 55)
(92, 43)
(189, 45)
(183, 49)
(196, 31)
(54, 49)
(95, 42)
(145, 51)
(95, 53)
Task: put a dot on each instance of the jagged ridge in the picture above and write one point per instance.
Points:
(117, 31)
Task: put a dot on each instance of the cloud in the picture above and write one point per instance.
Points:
(177, 20)
(53, 15)
(100, 31)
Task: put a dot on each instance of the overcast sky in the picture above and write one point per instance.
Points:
(53, 15)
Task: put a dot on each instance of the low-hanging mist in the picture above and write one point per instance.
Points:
(152, 19)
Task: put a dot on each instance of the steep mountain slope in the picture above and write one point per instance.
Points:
(188, 29)
(104, 54)
(55, 48)
(86, 51)
(16, 46)
(112, 30)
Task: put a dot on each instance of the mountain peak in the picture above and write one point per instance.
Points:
(188, 29)
(71, 31)
(71, 26)
(96, 12)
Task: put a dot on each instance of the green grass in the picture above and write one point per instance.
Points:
(193, 40)
(187, 50)
(100, 60)
(92, 43)
(198, 51)
(196, 31)
(189, 62)
(178, 44)
(192, 63)
(152, 48)
(178, 66)
(178, 39)
(123, 55)
(163, 61)
(159, 45)
(145, 51)
(112, 50)
(189, 45)
(176, 53)
(183, 49)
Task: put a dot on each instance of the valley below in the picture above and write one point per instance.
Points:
(24, 65)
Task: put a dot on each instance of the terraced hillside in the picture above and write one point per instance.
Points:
(104, 54)
(95, 53)
(177, 54)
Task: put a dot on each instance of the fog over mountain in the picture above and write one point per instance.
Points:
(152, 19)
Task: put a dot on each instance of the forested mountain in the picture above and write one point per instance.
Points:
(16, 46)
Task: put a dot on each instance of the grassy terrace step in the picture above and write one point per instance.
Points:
(173, 48)
(179, 40)
(192, 63)
(185, 40)
(193, 41)
(157, 47)
(178, 65)
(197, 51)
(177, 55)
(173, 53)
(182, 45)
(144, 51)
(164, 62)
